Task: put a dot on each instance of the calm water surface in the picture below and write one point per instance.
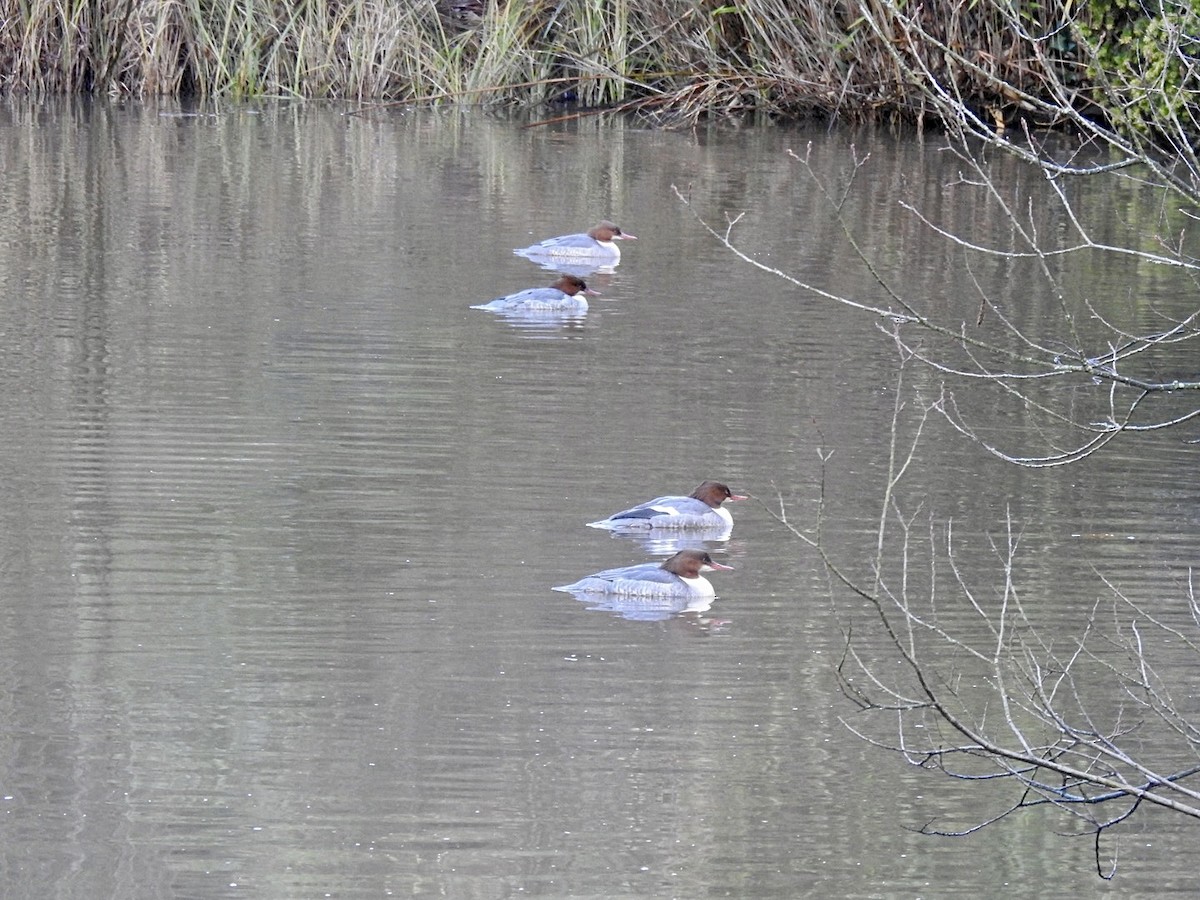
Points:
(282, 515)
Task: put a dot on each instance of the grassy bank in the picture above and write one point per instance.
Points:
(674, 59)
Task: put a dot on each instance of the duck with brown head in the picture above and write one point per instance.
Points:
(567, 295)
(701, 509)
(598, 243)
(679, 576)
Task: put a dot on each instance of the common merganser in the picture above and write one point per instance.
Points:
(598, 243)
(678, 576)
(567, 295)
(701, 509)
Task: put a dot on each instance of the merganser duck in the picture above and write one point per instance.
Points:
(701, 509)
(677, 577)
(598, 243)
(567, 295)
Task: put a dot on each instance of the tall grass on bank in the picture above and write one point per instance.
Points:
(675, 59)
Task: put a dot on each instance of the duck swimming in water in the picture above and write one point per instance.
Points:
(598, 243)
(701, 509)
(567, 295)
(678, 577)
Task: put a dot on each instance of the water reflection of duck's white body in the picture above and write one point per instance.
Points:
(677, 578)
(567, 295)
(662, 542)
(650, 609)
(599, 243)
(581, 266)
(701, 509)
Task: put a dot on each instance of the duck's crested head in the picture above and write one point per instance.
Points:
(572, 285)
(610, 231)
(714, 493)
(690, 563)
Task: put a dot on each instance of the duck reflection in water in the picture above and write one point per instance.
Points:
(666, 541)
(647, 609)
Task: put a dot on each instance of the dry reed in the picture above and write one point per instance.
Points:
(675, 59)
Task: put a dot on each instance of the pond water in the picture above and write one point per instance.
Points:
(282, 513)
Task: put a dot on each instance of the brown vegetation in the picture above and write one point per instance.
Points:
(676, 59)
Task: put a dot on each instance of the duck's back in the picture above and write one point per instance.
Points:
(545, 298)
(643, 580)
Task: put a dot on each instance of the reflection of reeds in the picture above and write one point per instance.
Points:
(690, 57)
